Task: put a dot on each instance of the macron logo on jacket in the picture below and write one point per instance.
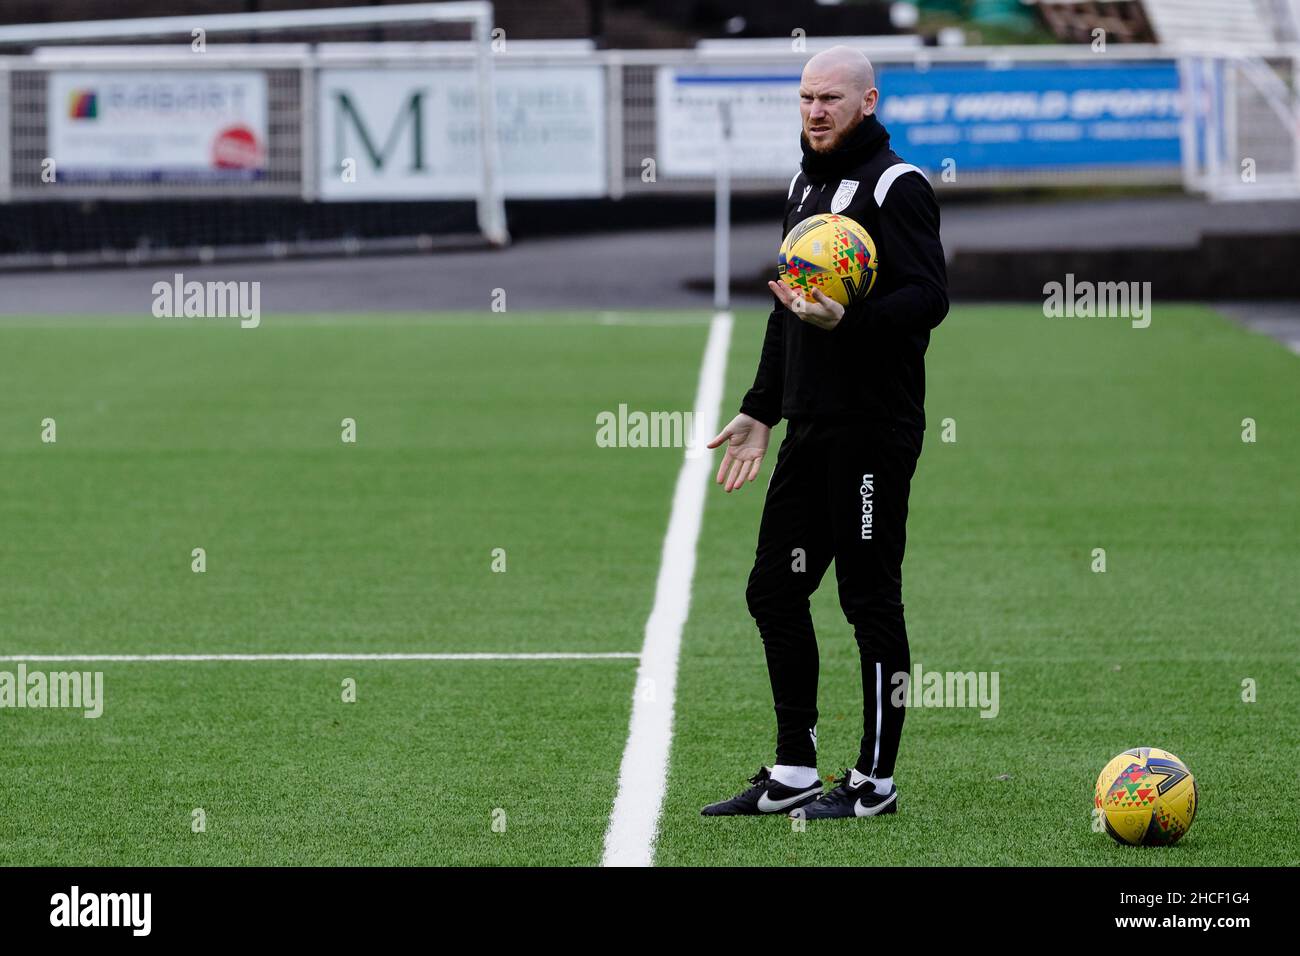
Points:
(868, 492)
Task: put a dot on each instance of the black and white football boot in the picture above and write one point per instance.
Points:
(846, 800)
(765, 796)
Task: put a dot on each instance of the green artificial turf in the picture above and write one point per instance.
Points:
(1070, 435)
(414, 772)
(473, 434)
(478, 432)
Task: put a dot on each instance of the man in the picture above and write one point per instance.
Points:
(851, 383)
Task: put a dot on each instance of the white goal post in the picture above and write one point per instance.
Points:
(477, 14)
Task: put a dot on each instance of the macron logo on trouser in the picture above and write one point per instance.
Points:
(867, 491)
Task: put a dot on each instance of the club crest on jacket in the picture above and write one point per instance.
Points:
(844, 195)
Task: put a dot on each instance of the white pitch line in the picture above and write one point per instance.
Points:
(643, 775)
(152, 658)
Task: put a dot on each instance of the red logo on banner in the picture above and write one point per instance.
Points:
(236, 148)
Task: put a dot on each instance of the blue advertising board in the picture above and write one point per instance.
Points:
(978, 117)
(1024, 117)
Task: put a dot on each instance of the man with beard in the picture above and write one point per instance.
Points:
(851, 384)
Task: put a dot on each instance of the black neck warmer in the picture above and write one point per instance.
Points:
(863, 142)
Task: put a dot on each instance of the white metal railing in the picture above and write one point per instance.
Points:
(264, 22)
(477, 14)
(629, 130)
(1241, 139)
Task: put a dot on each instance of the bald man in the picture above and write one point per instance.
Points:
(851, 384)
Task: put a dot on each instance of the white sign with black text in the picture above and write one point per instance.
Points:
(413, 134)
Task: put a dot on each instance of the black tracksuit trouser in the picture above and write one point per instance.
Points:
(838, 491)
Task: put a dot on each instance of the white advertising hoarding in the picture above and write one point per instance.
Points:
(765, 123)
(159, 126)
(413, 134)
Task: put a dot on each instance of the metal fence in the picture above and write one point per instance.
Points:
(1253, 122)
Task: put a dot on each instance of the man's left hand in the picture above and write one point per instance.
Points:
(823, 311)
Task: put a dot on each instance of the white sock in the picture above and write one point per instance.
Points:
(879, 784)
(801, 778)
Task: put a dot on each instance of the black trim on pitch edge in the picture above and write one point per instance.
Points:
(766, 796)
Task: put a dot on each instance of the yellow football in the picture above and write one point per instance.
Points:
(1146, 797)
(831, 253)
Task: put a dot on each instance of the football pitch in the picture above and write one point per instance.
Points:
(476, 517)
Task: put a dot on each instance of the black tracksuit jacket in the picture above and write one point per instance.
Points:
(870, 367)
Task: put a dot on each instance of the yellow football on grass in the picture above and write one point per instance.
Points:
(1146, 797)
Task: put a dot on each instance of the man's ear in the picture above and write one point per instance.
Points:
(869, 101)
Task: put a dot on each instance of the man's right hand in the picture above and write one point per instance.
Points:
(746, 440)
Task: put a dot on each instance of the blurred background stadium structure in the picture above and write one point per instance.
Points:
(204, 131)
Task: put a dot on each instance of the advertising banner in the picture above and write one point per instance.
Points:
(413, 133)
(164, 126)
(979, 118)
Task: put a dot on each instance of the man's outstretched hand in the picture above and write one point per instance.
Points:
(822, 311)
(746, 440)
